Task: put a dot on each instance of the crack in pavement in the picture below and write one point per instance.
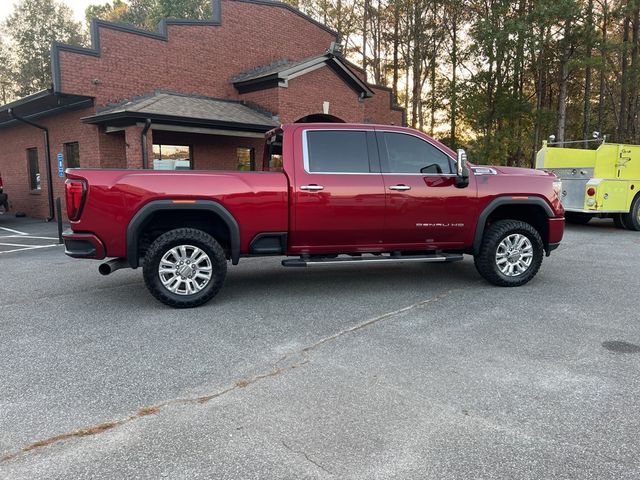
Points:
(309, 459)
(238, 384)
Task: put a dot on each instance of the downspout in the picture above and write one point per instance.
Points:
(143, 139)
(47, 151)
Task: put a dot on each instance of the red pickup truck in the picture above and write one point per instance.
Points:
(327, 194)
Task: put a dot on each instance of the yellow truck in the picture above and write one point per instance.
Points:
(604, 182)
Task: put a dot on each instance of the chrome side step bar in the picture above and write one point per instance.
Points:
(382, 259)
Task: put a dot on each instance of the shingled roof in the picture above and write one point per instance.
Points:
(279, 73)
(169, 107)
(279, 66)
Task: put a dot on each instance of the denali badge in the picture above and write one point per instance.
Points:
(440, 225)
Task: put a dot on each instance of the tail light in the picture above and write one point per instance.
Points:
(591, 191)
(75, 192)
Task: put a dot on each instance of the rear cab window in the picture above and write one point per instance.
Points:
(339, 151)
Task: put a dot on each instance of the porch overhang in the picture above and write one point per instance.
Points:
(42, 104)
(279, 73)
(165, 122)
(168, 111)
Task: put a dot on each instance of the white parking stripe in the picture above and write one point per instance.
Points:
(16, 245)
(13, 231)
(27, 248)
(29, 236)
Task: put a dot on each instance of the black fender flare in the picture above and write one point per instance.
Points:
(143, 214)
(499, 202)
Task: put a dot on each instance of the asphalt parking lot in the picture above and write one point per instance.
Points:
(404, 371)
(39, 235)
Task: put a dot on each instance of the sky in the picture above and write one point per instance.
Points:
(78, 7)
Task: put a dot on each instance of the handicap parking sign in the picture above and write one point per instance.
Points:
(60, 165)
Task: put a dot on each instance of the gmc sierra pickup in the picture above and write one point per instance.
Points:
(328, 194)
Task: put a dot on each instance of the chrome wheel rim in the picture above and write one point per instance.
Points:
(185, 270)
(514, 255)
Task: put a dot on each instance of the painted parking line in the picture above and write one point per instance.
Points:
(12, 241)
(26, 236)
(23, 248)
(16, 245)
(13, 231)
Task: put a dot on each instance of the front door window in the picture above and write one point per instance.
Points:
(409, 154)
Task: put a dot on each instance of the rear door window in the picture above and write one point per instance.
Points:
(336, 151)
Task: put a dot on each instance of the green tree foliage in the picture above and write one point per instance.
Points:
(499, 76)
(117, 11)
(495, 76)
(194, 9)
(148, 13)
(7, 75)
(31, 29)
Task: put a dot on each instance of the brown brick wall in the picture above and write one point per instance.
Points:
(305, 95)
(195, 59)
(13, 158)
(267, 100)
(113, 149)
(378, 108)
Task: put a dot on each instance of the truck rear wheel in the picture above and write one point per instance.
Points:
(631, 220)
(511, 253)
(184, 268)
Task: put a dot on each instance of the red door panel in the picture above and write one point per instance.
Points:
(433, 213)
(425, 209)
(349, 210)
(337, 210)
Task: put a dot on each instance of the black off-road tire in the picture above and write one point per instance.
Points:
(486, 263)
(174, 238)
(631, 220)
(578, 218)
(617, 221)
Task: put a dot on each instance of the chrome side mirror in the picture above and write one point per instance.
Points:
(462, 162)
(462, 172)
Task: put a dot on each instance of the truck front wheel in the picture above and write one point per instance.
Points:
(631, 220)
(511, 253)
(184, 267)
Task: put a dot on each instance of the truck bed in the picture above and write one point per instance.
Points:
(257, 200)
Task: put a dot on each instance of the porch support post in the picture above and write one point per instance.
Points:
(135, 135)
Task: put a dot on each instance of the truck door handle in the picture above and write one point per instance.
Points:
(400, 187)
(312, 187)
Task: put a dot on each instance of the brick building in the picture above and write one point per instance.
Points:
(194, 94)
